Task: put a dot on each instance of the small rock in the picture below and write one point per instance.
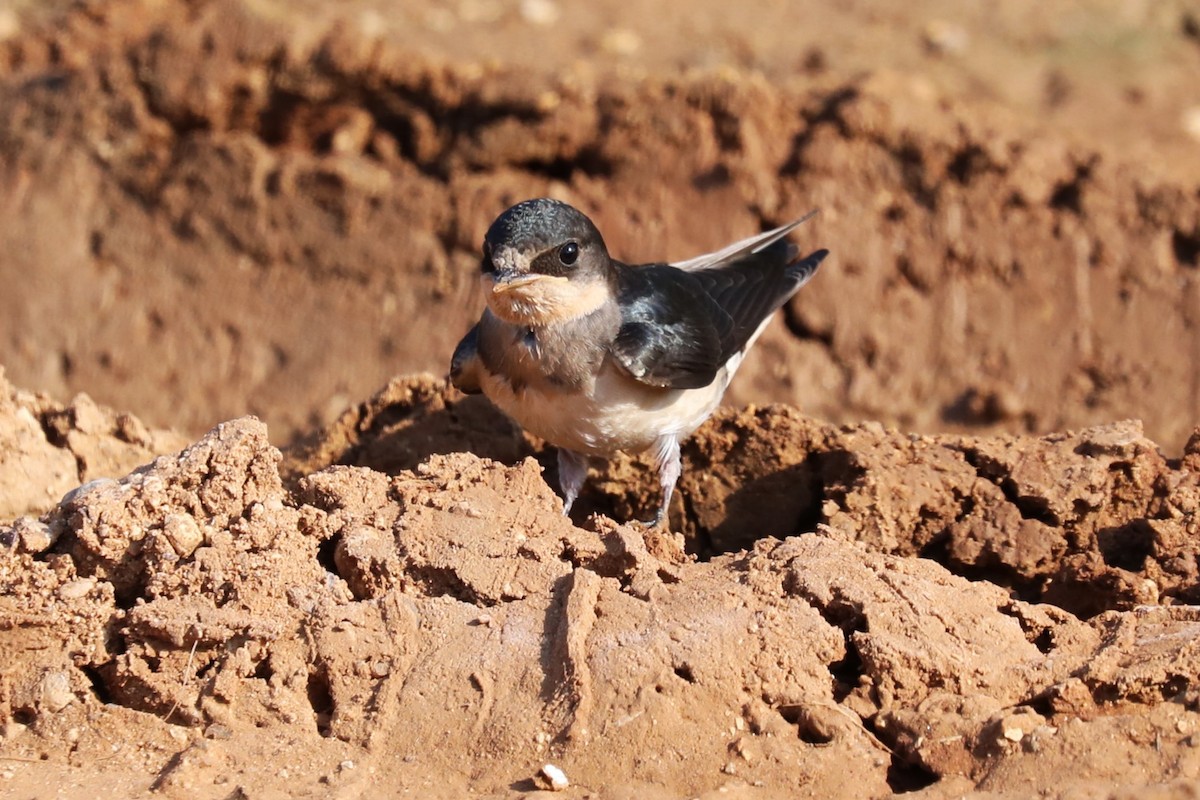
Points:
(552, 778)
(1013, 734)
(73, 590)
(218, 731)
(56, 691)
(183, 533)
(89, 417)
(33, 535)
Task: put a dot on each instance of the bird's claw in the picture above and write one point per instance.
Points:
(659, 520)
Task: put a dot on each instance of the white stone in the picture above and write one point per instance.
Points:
(552, 778)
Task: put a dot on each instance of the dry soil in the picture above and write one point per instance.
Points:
(950, 552)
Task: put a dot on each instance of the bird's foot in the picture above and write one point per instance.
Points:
(572, 473)
(659, 520)
(669, 469)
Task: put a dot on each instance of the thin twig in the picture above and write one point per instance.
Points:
(187, 677)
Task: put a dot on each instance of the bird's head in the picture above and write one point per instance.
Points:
(544, 262)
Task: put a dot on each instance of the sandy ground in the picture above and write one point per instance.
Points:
(951, 551)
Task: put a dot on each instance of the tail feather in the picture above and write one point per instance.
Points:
(746, 247)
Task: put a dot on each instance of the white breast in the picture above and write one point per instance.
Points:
(615, 413)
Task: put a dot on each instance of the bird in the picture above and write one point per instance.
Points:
(596, 356)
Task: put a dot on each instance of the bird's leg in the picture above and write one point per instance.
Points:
(572, 472)
(670, 467)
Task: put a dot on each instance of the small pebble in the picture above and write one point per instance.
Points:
(552, 778)
(73, 590)
(35, 536)
(183, 533)
(218, 731)
(56, 691)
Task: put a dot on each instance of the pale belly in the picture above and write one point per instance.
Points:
(617, 413)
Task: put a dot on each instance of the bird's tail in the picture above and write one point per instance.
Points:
(801, 271)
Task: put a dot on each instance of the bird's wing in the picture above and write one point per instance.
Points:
(751, 289)
(745, 247)
(670, 334)
(680, 327)
(465, 364)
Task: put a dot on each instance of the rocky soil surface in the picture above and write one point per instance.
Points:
(951, 551)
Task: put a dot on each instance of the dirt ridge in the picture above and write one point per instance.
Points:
(449, 607)
(350, 182)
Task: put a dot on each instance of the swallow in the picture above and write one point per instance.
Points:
(596, 356)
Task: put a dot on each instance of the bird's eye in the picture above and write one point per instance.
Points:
(485, 265)
(568, 254)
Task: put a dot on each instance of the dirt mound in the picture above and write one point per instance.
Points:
(213, 208)
(1092, 520)
(399, 621)
(48, 448)
(246, 210)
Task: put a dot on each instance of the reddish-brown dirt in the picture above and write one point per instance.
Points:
(950, 552)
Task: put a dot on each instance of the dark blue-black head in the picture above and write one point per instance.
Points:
(544, 262)
(544, 236)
